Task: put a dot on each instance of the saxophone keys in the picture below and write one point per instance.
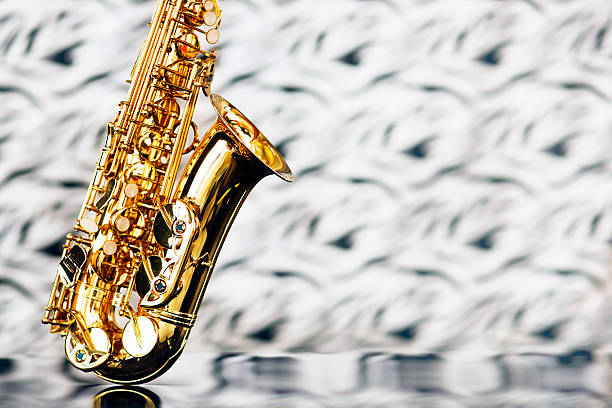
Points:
(166, 111)
(177, 73)
(143, 174)
(71, 264)
(210, 17)
(89, 225)
(188, 45)
(122, 224)
(131, 190)
(130, 221)
(84, 357)
(108, 192)
(171, 223)
(109, 247)
(139, 336)
(150, 145)
(162, 225)
(212, 36)
(202, 12)
(149, 269)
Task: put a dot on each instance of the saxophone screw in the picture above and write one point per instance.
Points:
(80, 356)
(160, 286)
(179, 227)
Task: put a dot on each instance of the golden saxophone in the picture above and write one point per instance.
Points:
(134, 270)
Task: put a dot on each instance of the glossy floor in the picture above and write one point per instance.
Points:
(579, 379)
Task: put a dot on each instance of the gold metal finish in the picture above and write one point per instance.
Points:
(134, 271)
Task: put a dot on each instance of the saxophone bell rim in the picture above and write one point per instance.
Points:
(252, 138)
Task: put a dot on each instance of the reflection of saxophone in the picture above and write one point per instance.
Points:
(134, 271)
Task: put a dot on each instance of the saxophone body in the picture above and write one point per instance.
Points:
(134, 270)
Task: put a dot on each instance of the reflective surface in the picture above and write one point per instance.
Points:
(579, 379)
(126, 397)
(246, 132)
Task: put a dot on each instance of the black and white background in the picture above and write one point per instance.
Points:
(452, 198)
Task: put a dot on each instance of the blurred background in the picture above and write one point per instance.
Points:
(446, 241)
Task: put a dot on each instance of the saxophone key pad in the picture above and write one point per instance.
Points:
(131, 190)
(210, 18)
(122, 224)
(212, 36)
(109, 247)
(139, 336)
(89, 225)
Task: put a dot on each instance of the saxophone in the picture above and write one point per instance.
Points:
(134, 270)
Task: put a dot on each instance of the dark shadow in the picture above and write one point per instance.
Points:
(126, 397)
